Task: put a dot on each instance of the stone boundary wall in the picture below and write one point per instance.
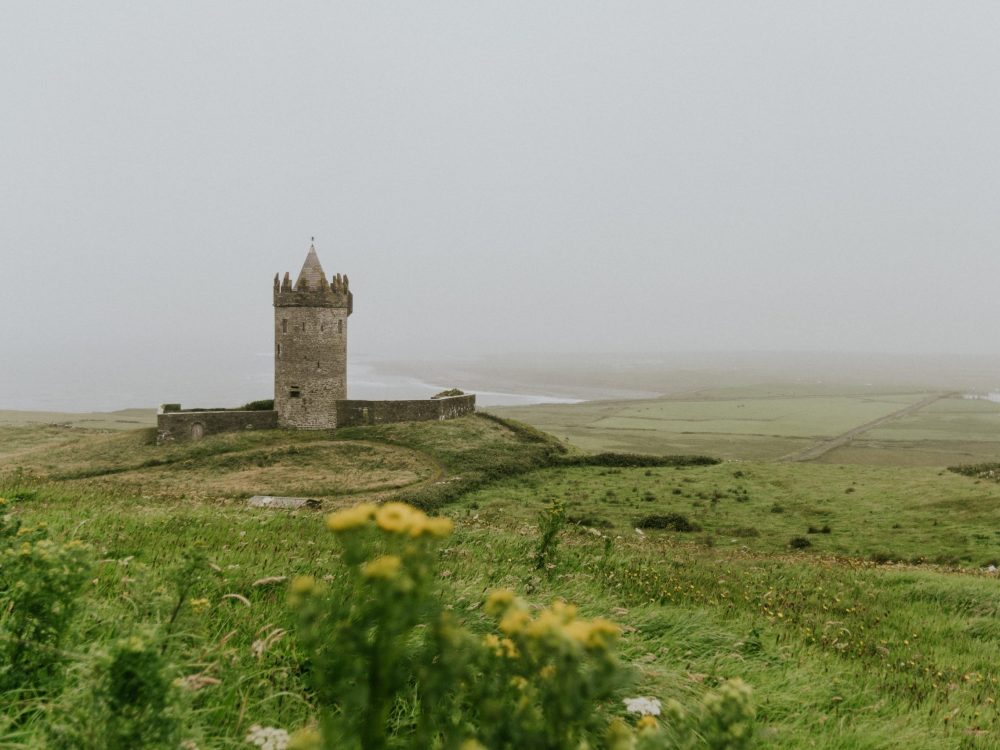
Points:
(182, 426)
(174, 425)
(353, 413)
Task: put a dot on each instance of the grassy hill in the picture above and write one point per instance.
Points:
(875, 628)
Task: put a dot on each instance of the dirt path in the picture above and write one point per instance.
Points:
(815, 451)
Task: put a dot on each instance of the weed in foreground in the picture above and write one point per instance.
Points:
(391, 666)
(40, 581)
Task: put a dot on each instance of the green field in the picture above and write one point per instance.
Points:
(880, 633)
(769, 422)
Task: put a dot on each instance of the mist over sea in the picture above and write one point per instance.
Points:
(88, 386)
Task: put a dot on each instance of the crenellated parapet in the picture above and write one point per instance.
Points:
(313, 289)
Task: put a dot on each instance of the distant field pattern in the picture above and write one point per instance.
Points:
(776, 421)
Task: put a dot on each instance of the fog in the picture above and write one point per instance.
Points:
(500, 178)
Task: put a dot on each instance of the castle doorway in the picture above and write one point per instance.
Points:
(197, 431)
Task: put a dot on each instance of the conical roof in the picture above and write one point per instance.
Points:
(312, 272)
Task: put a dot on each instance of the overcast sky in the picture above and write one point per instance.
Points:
(494, 177)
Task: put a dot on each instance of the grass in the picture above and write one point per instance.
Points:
(918, 514)
(842, 652)
(765, 423)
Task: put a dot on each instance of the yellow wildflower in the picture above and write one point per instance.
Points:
(439, 526)
(499, 602)
(305, 739)
(398, 518)
(619, 736)
(647, 724)
(514, 621)
(302, 586)
(472, 744)
(510, 650)
(518, 682)
(565, 612)
(385, 568)
(593, 634)
(200, 605)
(547, 672)
(350, 518)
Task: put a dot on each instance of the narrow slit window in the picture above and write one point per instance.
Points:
(284, 325)
(294, 392)
(278, 352)
(340, 326)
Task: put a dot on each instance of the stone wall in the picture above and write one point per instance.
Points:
(182, 426)
(351, 413)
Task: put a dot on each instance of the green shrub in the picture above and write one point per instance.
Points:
(668, 521)
(40, 581)
(127, 702)
(390, 667)
(635, 460)
(799, 542)
(264, 404)
(365, 640)
(550, 522)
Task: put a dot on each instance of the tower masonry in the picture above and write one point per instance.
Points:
(310, 346)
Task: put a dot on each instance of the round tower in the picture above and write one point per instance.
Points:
(310, 346)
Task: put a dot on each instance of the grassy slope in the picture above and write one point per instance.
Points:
(842, 654)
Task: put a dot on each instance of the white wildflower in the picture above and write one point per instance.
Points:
(643, 705)
(267, 738)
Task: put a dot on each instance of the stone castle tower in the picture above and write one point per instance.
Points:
(310, 346)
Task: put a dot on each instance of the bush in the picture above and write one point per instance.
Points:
(40, 581)
(799, 542)
(550, 522)
(390, 667)
(635, 460)
(266, 404)
(668, 521)
(128, 703)
(450, 393)
(978, 471)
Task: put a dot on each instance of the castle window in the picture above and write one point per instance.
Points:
(284, 325)
(294, 392)
(303, 326)
(340, 326)
(278, 352)
(322, 327)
